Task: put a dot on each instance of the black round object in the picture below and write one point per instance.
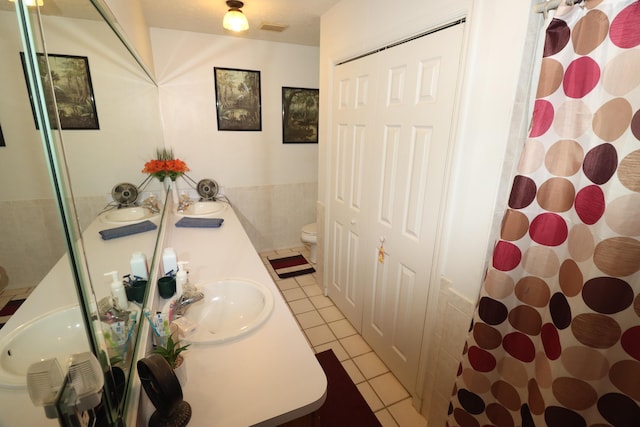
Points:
(164, 391)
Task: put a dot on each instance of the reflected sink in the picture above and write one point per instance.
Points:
(128, 215)
(231, 308)
(56, 334)
(209, 207)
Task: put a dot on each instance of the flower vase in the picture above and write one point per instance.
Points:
(174, 192)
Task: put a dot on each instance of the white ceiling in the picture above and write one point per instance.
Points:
(205, 16)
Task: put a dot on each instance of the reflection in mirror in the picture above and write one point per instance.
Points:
(98, 158)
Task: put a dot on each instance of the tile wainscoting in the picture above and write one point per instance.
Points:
(452, 328)
(273, 215)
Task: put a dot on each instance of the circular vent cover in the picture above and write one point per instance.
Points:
(207, 189)
(125, 193)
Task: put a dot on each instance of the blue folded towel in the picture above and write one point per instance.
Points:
(126, 230)
(200, 222)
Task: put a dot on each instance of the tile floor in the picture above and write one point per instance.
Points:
(325, 327)
(8, 295)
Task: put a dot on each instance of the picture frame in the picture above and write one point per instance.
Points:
(73, 91)
(300, 107)
(238, 99)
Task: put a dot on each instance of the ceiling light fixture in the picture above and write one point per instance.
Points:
(32, 2)
(234, 19)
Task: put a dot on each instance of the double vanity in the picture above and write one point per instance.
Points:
(249, 363)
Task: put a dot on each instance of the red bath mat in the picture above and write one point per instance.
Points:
(291, 266)
(11, 307)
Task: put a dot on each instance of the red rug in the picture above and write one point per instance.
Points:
(11, 307)
(344, 405)
(291, 266)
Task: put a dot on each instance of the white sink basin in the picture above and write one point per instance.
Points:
(56, 334)
(205, 208)
(127, 215)
(230, 308)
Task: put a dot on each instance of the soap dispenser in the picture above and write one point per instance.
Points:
(117, 291)
(181, 277)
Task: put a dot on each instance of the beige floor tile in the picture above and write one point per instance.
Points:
(320, 301)
(301, 306)
(388, 388)
(319, 335)
(370, 396)
(4, 299)
(337, 348)
(385, 418)
(342, 328)
(406, 415)
(309, 319)
(351, 368)
(370, 365)
(306, 280)
(293, 294)
(355, 345)
(312, 290)
(331, 314)
(286, 284)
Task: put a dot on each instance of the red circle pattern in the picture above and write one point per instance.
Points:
(558, 343)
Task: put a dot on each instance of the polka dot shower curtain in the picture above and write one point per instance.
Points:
(555, 339)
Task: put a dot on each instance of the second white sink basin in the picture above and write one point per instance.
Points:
(56, 334)
(230, 308)
(205, 208)
(127, 215)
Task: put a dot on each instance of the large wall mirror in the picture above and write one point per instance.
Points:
(61, 179)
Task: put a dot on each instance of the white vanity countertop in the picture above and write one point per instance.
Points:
(264, 378)
(57, 290)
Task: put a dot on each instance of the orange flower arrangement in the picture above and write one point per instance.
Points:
(164, 165)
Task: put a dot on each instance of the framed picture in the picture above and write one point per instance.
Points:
(300, 115)
(238, 99)
(73, 90)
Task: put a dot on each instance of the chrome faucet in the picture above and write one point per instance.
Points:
(184, 203)
(184, 301)
(152, 204)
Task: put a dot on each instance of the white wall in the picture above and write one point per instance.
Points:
(184, 65)
(130, 17)
(22, 161)
(273, 186)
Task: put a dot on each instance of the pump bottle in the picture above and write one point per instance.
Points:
(169, 261)
(117, 291)
(181, 277)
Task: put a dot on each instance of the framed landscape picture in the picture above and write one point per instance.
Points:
(238, 103)
(73, 91)
(300, 115)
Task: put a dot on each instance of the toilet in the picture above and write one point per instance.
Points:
(309, 237)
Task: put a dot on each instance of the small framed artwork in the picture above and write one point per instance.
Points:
(238, 103)
(2, 144)
(73, 90)
(300, 115)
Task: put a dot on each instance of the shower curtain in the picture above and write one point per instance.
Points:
(555, 338)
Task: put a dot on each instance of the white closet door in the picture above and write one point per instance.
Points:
(412, 128)
(353, 109)
(391, 122)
